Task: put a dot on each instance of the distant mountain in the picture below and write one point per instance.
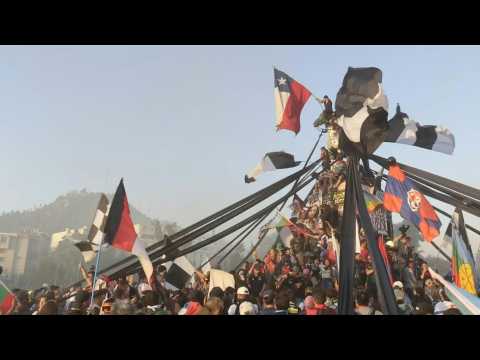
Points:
(72, 210)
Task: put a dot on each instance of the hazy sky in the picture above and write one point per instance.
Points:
(183, 124)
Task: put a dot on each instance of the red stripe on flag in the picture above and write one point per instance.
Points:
(125, 235)
(428, 232)
(291, 114)
(426, 210)
(397, 173)
(7, 305)
(392, 203)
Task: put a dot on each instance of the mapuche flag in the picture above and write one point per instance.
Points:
(361, 108)
(272, 161)
(120, 232)
(7, 300)
(400, 196)
(290, 97)
(463, 264)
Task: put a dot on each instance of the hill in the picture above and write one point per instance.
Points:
(73, 210)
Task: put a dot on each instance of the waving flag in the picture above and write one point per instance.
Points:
(87, 249)
(180, 272)
(120, 232)
(290, 97)
(284, 228)
(361, 108)
(467, 303)
(7, 300)
(463, 264)
(95, 236)
(401, 197)
(372, 202)
(377, 212)
(270, 162)
(403, 130)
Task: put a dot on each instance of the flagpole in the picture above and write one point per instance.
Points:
(6, 287)
(95, 272)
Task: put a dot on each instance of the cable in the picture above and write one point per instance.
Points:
(281, 207)
(158, 260)
(252, 201)
(210, 218)
(246, 230)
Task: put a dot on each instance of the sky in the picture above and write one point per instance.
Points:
(183, 124)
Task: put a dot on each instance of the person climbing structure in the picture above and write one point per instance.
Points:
(326, 114)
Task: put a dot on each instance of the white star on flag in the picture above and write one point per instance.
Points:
(282, 81)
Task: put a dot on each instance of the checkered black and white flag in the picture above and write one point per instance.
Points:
(404, 130)
(90, 247)
(96, 233)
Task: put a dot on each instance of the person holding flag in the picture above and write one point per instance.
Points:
(327, 114)
(290, 97)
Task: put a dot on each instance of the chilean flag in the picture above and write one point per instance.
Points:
(290, 97)
(400, 196)
(120, 232)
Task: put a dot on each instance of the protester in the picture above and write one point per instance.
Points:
(299, 277)
(268, 301)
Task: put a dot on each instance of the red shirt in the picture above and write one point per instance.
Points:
(332, 256)
(364, 255)
(270, 265)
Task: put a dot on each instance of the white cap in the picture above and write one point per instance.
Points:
(243, 291)
(247, 308)
(390, 244)
(398, 284)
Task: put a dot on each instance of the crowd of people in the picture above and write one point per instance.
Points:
(298, 278)
(279, 284)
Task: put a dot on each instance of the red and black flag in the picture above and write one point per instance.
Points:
(120, 231)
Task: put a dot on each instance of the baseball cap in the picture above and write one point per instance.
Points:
(243, 291)
(398, 284)
(247, 308)
(389, 244)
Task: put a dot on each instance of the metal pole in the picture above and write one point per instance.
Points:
(95, 273)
